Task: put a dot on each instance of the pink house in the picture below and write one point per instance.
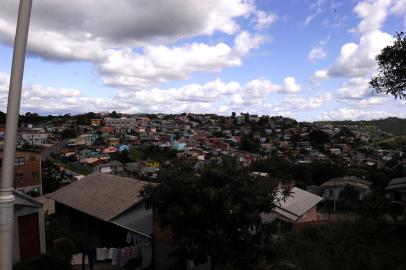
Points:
(299, 208)
(109, 150)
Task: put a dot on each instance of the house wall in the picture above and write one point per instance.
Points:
(311, 215)
(27, 172)
(85, 228)
(20, 211)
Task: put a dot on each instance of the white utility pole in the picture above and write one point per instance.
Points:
(13, 109)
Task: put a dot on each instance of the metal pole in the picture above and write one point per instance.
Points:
(13, 108)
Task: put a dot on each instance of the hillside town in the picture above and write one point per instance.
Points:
(93, 168)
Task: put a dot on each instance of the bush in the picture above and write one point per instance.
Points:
(44, 262)
(360, 244)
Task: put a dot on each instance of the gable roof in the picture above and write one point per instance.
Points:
(297, 204)
(102, 196)
(25, 200)
(343, 181)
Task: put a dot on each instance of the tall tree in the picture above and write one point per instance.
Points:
(214, 212)
(391, 78)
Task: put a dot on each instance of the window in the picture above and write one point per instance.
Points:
(19, 177)
(19, 161)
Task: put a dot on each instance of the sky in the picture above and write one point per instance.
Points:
(306, 59)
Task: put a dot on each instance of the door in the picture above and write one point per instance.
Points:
(28, 235)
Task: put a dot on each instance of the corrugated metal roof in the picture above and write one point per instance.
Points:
(103, 196)
(138, 219)
(25, 200)
(297, 204)
(397, 184)
(343, 181)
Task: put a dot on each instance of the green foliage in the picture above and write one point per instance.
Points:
(248, 143)
(318, 137)
(215, 213)
(51, 177)
(394, 125)
(84, 119)
(361, 244)
(57, 258)
(315, 173)
(152, 152)
(391, 78)
(43, 262)
(136, 153)
(276, 167)
(69, 133)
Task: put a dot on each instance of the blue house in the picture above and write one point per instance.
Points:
(122, 147)
(178, 146)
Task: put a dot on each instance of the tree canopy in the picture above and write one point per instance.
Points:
(391, 78)
(215, 212)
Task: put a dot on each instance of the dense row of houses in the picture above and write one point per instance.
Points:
(106, 198)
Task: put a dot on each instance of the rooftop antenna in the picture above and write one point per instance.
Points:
(13, 107)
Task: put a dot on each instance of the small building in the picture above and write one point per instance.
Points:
(396, 190)
(299, 207)
(178, 146)
(27, 171)
(123, 147)
(96, 122)
(113, 141)
(335, 151)
(112, 167)
(29, 228)
(109, 150)
(103, 209)
(333, 187)
(35, 136)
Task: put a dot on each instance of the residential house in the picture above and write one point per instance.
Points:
(96, 122)
(35, 137)
(110, 150)
(299, 207)
(27, 171)
(333, 187)
(113, 141)
(103, 210)
(396, 190)
(112, 167)
(123, 147)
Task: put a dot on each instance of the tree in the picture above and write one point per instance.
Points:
(248, 143)
(391, 78)
(318, 137)
(214, 212)
(51, 177)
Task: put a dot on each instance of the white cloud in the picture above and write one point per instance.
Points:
(316, 53)
(109, 33)
(263, 20)
(399, 7)
(130, 23)
(213, 96)
(316, 7)
(356, 60)
(289, 85)
(372, 13)
(355, 88)
(295, 102)
(158, 64)
(353, 114)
